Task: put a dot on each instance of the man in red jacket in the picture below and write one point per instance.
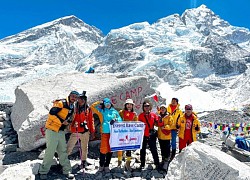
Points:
(82, 127)
(150, 135)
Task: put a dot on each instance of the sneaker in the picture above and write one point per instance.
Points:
(165, 166)
(43, 176)
(101, 169)
(106, 169)
(69, 176)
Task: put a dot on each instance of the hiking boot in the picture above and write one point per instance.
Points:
(165, 166)
(43, 176)
(172, 154)
(106, 170)
(142, 167)
(119, 163)
(157, 167)
(69, 176)
(100, 169)
(127, 166)
(82, 165)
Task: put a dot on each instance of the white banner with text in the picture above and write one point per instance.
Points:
(126, 135)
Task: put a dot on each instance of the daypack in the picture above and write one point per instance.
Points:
(243, 143)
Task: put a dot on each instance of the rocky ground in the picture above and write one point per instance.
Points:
(11, 156)
(225, 116)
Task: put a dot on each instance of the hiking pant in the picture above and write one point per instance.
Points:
(84, 137)
(105, 146)
(165, 149)
(120, 153)
(105, 159)
(152, 146)
(55, 142)
(184, 142)
(173, 140)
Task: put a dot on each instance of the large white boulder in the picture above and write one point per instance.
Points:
(34, 99)
(199, 161)
(22, 171)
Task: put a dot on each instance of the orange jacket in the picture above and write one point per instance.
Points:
(54, 122)
(83, 117)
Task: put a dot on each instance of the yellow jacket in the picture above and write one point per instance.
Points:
(182, 125)
(167, 123)
(176, 114)
(54, 122)
(98, 113)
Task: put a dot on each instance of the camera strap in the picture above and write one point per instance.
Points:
(147, 121)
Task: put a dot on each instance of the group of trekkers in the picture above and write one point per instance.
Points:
(75, 114)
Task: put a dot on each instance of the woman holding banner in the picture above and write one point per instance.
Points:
(150, 134)
(107, 115)
(127, 114)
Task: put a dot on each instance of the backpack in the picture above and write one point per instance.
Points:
(243, 143)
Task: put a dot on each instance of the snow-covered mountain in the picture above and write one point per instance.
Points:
(193, 52)
(48, 49)
(196, 48)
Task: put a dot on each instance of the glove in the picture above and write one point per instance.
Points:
(177, 126)
(112, 122)
(196, 128)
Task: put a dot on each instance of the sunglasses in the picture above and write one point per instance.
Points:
(146, 106)
(188, 109)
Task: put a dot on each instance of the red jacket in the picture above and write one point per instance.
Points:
(152, 119)
(80, 117)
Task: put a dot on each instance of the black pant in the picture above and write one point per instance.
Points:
(152, 146)
(105, 159)
(165, 149)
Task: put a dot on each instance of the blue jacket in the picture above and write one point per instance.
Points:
(90, 69)
(107, 116)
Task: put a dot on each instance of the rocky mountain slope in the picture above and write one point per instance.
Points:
(196, 48)
(44, 50)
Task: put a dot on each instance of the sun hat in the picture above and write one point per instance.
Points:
(129, 101)
(163, 105)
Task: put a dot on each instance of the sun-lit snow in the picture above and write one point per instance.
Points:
(201, 101)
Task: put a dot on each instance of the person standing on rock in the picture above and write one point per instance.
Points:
(176, 113)
(82, 127)
(164, 134)
(189, 127)
(60, 116)
(107, 115)
(150, 134)
(127, 114)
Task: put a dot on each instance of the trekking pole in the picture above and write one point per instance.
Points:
(80, 148)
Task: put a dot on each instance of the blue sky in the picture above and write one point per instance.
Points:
(19, 15)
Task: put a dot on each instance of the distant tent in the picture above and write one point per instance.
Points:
(91, 70)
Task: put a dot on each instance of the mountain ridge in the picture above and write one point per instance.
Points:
(178, 49)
